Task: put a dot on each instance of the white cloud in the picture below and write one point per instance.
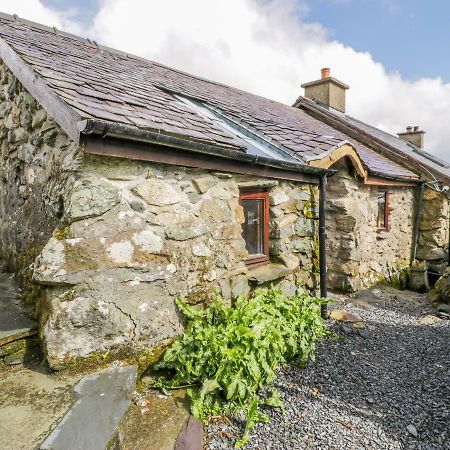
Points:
(36, 11)
(266, 47)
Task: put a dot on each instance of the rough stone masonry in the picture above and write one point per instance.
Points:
(360, 254)
(113, 242)
(139, 235)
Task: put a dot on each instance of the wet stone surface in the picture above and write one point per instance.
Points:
(384, 385)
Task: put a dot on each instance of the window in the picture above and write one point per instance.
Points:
(255, 229)
(383, 209)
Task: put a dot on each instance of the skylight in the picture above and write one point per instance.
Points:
(256, 145)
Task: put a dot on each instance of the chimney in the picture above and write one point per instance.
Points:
(413, 135)
(327, 90)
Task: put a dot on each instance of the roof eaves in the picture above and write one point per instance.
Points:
(104, 129)
(57, 108)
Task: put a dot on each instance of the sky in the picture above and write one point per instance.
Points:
(394, 54)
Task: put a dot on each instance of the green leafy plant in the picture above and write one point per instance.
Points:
(227, 355)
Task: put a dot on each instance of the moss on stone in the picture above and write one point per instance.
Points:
(143, 358)
(31, 291)
(62, 233)
(78, 258)
(307, 209)
(68, 296)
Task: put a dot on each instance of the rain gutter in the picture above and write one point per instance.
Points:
(107, 129)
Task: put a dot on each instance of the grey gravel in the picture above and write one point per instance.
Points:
(365, 390)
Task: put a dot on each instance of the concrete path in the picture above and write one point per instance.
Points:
(32, 401)
(14, 322)
(91, 423)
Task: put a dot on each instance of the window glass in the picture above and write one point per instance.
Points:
(382, 220)
(253, 226)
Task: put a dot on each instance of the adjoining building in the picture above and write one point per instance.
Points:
(373, 239)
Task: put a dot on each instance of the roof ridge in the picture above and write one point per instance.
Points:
(86, 40)
(391, 148)
(414, 147)
(418, 150)
(41, 26)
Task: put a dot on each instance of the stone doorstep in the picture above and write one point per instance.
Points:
(157, 422)
(102, 400)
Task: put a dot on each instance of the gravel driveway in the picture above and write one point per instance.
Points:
(384, 385)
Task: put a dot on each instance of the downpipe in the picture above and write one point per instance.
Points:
(322, 242)
(417, 221)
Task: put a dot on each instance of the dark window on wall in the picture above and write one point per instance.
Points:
(255, 229)
(383, 209)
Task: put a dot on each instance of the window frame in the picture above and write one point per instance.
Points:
(386, 210)
(257, 259)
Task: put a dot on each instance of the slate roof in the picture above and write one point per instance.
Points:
(417, 156)
(102, 83)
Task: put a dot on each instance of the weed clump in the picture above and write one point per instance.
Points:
(227, 355)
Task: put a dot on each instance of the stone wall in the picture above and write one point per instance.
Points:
(434, 231)
(37, 163)
(359, 254)
(139, 235)
(440, 295)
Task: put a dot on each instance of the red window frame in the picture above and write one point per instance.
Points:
(386, 210)
(253, 260)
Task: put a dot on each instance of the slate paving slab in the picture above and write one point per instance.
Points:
(14, 322)
(91, 422)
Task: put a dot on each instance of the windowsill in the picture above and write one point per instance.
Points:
(256, 260)
(263, 273)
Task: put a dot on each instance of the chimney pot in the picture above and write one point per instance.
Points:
(413, 135)
(325, 73)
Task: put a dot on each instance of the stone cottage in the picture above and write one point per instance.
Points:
(125, 184)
